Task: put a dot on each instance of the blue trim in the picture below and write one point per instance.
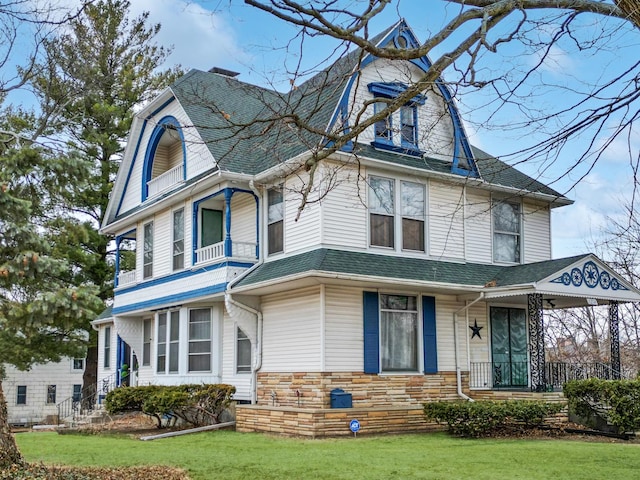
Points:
(133, 162)
(393, 90)
(150, 153)
(182, 274)
(371, 332)
(171, 299)
(117, 263)
(404, 149)
(160, 108)
(119, 352)
(228, 193)
(591, 276)
(430, 344)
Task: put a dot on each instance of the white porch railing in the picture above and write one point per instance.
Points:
(214, 252)
(165, 180)
(126, 278)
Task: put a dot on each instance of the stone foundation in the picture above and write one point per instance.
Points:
(299, 403)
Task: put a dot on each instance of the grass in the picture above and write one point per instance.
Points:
(231, 455)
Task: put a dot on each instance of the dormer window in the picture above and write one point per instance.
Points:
(404, 137)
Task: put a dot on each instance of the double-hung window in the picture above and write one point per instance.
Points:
(77, 393)
(168, 351)
(200, 340)
(147, 256)
(106, 350)
(21, 396)
(51, 394)
(243, 352)
(178, 239)
(146, 342)
(383, 127)
(399, 336)
(382, 212)
(408, 121)
(506, 232)
(77, 364)
(275, 220)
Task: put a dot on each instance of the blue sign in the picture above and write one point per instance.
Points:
(354, 426)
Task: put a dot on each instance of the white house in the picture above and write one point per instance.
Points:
(32, 396)
(418, 269)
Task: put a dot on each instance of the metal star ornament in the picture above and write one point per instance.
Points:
(475, 329)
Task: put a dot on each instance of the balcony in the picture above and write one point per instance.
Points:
(515, 375)
(126, 278)
(212, 253)
(165, 181)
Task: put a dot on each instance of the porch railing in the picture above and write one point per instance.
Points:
(84, 402)
(165, 180)
(216, 251)
(126, 278)
(506, 375)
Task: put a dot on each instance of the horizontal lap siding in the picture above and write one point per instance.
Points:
(537, 233)
(344, 215)
(343, 330)
(162, 248)
(480, 348)
(241, 381)
(291, 333)
(478, 227)
(446, 220)
(445, 307)
(243, 218)
(304, 232)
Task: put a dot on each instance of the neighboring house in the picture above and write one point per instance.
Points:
(32, 396)
(418, 270)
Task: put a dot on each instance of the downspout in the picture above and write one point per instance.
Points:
(229, 300)
(464, 309)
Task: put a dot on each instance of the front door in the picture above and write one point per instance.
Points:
(509, 347)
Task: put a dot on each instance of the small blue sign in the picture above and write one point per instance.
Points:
(354, 426)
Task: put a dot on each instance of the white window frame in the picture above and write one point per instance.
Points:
(517, 235)
(147, 250)
(171, 318)
(399, 214)
(52, 391)
(21, 395)
(74, 364)
(245, 368)
(147, 334)
(418, 333)
(106, 348)
(179, 257)
(275, 216)
(200, 341)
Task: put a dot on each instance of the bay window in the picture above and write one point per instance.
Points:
(168, 346)
(200, 340)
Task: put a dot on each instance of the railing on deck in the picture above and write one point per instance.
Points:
(165, 180)
(216, 251)
(126, 278)
(501, 375)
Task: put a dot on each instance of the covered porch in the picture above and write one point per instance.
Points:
(514, 357)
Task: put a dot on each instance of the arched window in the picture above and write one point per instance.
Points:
(165, 158)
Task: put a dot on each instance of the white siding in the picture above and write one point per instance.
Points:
(445, 308)
(242, 381)
(435, 128)
(478, 226)
(480, 348)
(344, 214)
(162, 248)
(537, 233)
(343, 330)
(37, 380)
(304, 232)
(243, 218)
(446, 220)
(106, 373)
(291, 332)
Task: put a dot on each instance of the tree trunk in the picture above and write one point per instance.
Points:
(9, 453)
(631, 9)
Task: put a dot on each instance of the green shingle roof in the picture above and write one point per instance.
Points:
(392, 267)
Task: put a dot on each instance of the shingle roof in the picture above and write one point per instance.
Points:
(392, 267)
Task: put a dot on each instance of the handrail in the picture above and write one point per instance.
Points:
(78, 405)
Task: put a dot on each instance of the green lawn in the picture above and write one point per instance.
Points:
(230, 455)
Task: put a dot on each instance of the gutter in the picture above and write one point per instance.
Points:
(464, 309)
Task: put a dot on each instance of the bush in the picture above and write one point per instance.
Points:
(476, 419)
(618, 401)
(195, 404)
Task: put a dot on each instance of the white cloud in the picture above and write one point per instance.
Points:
(200, 38)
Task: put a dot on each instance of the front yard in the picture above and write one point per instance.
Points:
(231, 455)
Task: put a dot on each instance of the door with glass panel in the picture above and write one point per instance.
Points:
(509, 347)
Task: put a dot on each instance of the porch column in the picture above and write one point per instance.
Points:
(536, 341)
(228, 250)
(614, 336)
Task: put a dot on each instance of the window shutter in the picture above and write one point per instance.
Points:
(371, 332)
(429, 333)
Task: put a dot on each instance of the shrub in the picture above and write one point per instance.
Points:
(476, 419)
(195, 404)
(618, 401)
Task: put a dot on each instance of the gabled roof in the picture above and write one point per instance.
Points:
(495, 281)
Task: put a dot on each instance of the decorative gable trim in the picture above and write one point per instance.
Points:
(590, 276)
(393, 90)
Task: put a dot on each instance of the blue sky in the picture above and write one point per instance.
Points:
(231, 35)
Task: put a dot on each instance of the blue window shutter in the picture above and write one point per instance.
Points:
(429, 333)
(371, 332)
